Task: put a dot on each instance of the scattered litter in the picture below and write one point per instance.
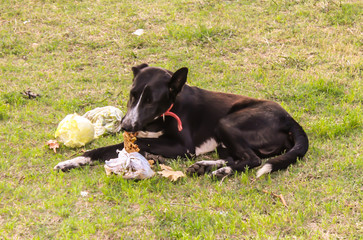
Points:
(30, 94)
(139, 32)
(129, 166)
(25, 22)
(105, 120)
(280, 196)
(84, 193)
(224, 213)
(169, 173)
(75, 131)
(53, 144)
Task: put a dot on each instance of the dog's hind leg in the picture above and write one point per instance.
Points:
(233, 136)
(205, 166)
(238, 155)
(89, 157)
(225, 167)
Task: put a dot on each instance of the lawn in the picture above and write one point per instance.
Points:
(306, 55)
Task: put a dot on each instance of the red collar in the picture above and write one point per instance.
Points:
(168, 113)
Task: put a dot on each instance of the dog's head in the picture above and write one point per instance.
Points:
(152, 93)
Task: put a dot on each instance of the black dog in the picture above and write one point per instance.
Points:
(173, 119)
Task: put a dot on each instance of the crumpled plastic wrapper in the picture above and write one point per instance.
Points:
(129, 166)
(75, 131)
(105, 120)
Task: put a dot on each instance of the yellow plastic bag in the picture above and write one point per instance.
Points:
(75, 131)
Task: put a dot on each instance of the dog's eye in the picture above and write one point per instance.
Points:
(132, 96)
(148, 100)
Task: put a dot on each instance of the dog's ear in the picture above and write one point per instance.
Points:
(138, 68)
(177, 81)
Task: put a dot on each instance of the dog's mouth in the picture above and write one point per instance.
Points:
(125, 126)
(133, 125)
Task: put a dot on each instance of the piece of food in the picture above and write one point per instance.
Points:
(129, 142)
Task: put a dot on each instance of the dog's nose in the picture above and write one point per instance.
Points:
(128, 126)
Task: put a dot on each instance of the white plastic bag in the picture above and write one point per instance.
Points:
(105, 119)
(75, 131)
(129, 165)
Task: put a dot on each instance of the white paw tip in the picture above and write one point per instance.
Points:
(267, 168)
(224, 171)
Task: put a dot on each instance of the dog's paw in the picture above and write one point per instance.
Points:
(72, 163)
(156, 158)
(197, 169)
(203, 167)
(222, 172)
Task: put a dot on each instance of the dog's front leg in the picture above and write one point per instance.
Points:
(156, 158)
(165, 147)
(89, 157)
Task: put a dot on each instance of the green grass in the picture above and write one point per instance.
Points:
(306, 55)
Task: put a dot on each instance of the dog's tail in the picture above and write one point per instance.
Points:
(301, 145)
